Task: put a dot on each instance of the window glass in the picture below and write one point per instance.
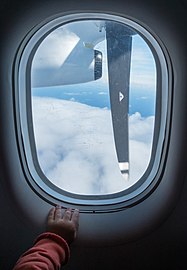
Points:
(93, 91)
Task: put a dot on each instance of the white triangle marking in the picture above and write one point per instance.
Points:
(121, 96)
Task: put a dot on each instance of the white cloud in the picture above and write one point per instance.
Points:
(143, 68)
(76, 148)
(141, 128)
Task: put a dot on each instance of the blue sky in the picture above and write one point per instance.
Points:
(72, 123)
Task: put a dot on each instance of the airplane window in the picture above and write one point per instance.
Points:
(93, 103)
(92, 106)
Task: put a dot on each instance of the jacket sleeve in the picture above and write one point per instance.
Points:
(49, 252)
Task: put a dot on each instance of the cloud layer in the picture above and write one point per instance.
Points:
(76, 148)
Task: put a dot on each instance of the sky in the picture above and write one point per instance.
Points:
(72, 123)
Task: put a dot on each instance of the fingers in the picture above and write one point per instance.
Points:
(67, 214)
(55, 213)
(75, 218)
(58, 213)
(51, 215)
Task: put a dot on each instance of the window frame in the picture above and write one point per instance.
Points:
(35, 178)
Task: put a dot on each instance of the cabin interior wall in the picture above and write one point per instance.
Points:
(165, 248)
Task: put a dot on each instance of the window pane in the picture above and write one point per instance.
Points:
(93, 106)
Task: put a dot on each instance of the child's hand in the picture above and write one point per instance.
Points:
(64, 223)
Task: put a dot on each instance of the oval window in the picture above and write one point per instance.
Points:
(93, 100)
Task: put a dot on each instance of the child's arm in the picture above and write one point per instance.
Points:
(51, 249)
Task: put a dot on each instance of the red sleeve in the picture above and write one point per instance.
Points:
(49, 252)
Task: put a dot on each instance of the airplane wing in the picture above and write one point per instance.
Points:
(67, 55)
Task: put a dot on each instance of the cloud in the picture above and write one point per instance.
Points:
(76, 148)
(143, 67)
